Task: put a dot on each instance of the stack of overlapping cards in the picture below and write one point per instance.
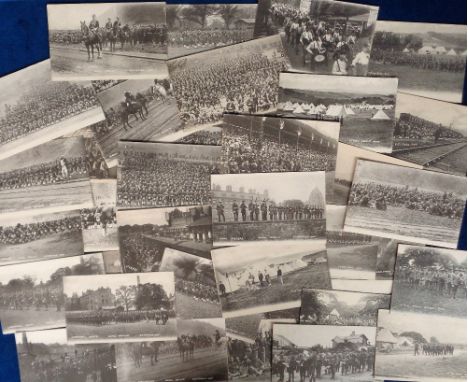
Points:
(235, 192)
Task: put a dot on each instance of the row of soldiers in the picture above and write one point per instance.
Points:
(268, 212)
(105, 317)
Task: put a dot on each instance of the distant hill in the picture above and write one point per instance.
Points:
(328, 98)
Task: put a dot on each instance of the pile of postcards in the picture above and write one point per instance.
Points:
(235, 192)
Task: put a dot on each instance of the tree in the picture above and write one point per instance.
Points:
(199, 13)
(311, 306)
(151, 296)
(188, 266)
(417, 337)
(173, 15)
(228, 13)
(126, 295)
(434, 340)
(207, 273)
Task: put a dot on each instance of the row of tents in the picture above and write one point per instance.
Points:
(428, 49)
(334, 110)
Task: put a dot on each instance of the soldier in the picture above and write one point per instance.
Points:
(251, 210)
(264, 209)
(235, 211)
(220, 211)
(243, 209)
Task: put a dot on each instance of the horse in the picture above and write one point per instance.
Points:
(186, 348)
(134, 108)
(143, 101)
(90, 40)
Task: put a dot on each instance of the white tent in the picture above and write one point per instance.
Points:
(305, 106)
(312, 110)
(452, 52)
(336, 111)
(288, 106)
(426, 50)
(298, 110)
(380, 115)
(349, 111)
(334, 313)
(440, 50)
(406, 50)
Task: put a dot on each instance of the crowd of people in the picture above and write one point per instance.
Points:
(246, 83)
(209, 38)
(44, 105)
(78, 366)
(101, 85)
(150, 179)
(444, 281)
(26, 233)
(107, 317)
(323, 44)
(199, 291)
(318, 364)
(249, 360)
(348, 319)
(437, 350)
(435, 62)
(244, 154)
(434, 203)
(98, 217)
(347, 238)
(58, 171)
(255, 211)
(138, 254)
(203, 138)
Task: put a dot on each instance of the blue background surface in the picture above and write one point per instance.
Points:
(23, 41)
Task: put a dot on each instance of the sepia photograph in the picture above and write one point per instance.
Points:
(417, 346)
(414, 205)
(254, 144)
(107, 40)
(431, 133)
(335, 307)
(50, 177)
(139, 110)
(120, 307)
(197, 28)
(346, 158)
(250, 342)
(100, 222)
(429, 59)
(430, 280)
(263, 276)
(198, 135)
(237, 78)
(45, 355)
(145, 234)
(34, 237)
(112, 261)
(196, 294)
(273, 206)
(165, 174)
(321, 36)
(35, 110)
(323, 352)
(364, 286)
(200, 353)
(364, 106)
(31, 294)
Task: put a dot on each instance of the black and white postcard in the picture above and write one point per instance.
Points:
(323, 352)
(364, 286)
(262, 276)
(100, 222)
(250, 342)
(414, 205)
(346, 159)
(107, 40)
(34, 237)
(321, 36)
(199, 135)
(139, 110)
(417, 346)
(36, 110)
(165, 174)
(200, 353)
(31, 295)
(264, 144)
(196, 294)
(241, 78)
(196, 28)
(45, 355)
(365, 106)
(431, 133)
(144, 234)
(335, 307)
(120, 307)
(50, 177)
(274, 206)
(112, 261)
(430, 280)
(429, 59)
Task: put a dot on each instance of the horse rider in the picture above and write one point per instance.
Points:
(108, 25)
(94, 26)
(129, 98)
(117, 24)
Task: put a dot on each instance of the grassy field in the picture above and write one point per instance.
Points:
(100, 239)
(31, 318)
(407, 298)
(313, 276)
(358, 257)
(50, 247)
(137, 330)
(409, 366)
(187, 307)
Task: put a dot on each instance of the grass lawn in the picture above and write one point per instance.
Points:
(31, 318)
(313, 276)
(187, 307)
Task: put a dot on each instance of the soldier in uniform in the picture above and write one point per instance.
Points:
(243, 209)
(264, 209)
(235, 211)
(251, 210)
(220, 211)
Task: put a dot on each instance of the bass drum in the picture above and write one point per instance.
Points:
(319, 58)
